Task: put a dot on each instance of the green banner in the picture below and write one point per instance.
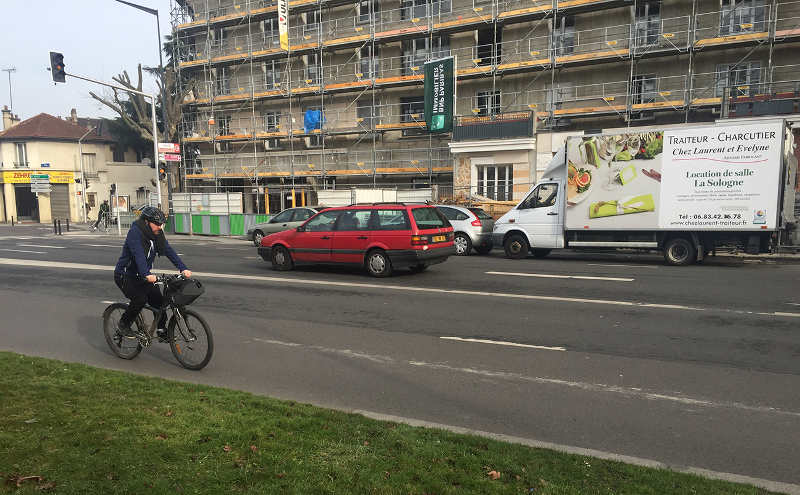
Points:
(439, 94)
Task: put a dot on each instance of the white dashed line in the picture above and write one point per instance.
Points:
(550, 275)
(501, 342)
(24, 251)
(41, 246)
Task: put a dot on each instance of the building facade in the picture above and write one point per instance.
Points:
(48, 145)
(357, 68)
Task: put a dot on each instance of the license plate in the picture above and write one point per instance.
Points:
(439, 238)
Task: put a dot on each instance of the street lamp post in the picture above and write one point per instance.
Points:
(10, 95)
(163, 96)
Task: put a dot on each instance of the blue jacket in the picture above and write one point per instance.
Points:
(135, 262)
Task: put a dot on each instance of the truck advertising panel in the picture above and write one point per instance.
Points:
(700, 178)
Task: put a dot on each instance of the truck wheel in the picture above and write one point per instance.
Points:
(516, 246)
(540, 253)
(679, 251)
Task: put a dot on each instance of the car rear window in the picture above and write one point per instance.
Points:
(429, 218)
(480, 213)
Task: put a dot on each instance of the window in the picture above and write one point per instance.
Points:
(416, 52)
(270, 32)
(364, 112)
(488, 102)
(224, 125)
(494, 181)
(282, 217)
(480, 213)
(742, 16)
(312, 69)
(558, 95)
(272, 122)
(354, 220)
(544, 196)
(644, 88)
(368, 64)
(221, 82)
(392, 220)
(564, 35)
(419, 8)
(323, 222)
(312, 20)
(367, 10)
(302, 214)
(429, 218)
(273, 72)
(118, 153)
(21, 160)
(413, 110)
(220, 38)
(486, 43)
(648, 23)
(89, 164)
(740, 79)
(453, 214)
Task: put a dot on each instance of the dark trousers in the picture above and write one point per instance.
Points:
(99, 218)
(140, 292)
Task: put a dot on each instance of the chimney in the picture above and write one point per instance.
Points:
(9, 119)
(73, 115)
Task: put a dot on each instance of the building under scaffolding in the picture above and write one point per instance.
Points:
(344, 107)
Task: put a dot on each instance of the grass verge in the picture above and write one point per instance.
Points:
(73, 429)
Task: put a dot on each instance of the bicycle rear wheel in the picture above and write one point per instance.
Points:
(124, 347)
(193, 345)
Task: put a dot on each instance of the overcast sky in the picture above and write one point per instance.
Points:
(99, 39)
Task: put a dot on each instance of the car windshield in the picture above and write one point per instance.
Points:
(429, 218)
(480, 213)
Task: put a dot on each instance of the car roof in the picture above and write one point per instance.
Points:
(457, 207)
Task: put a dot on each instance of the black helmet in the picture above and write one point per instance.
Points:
(153, 214)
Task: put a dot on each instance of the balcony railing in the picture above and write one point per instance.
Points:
(655, 35)
(732, 25)
(500, 126)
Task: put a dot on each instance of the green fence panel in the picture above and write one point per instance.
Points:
(213, 225)
(197, 224)
(237, 224)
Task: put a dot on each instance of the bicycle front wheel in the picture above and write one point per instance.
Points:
(124, 347)
(191, 342)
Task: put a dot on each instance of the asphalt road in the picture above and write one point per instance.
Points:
(690, 366)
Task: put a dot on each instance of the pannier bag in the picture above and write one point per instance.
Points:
(184, 292)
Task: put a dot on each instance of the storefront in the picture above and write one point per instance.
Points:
(22, 204)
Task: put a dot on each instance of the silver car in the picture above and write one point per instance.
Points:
(289, 218)
(472, 227)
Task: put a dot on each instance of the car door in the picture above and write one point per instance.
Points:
(351, 236)
(279, 222)
(314, 238)
(539, 216)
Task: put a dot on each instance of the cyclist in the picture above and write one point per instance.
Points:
(104, 210)
(132, 274)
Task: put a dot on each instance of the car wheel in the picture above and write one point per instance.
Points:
(378, 264)
(484, 249)
(540, 253)
(516, 246)
(463, 244)
(281, 259)
(257, 236)
(679, 251)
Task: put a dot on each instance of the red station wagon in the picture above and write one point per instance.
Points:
(381, 237)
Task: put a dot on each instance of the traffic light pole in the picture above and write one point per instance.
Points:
(153, 116)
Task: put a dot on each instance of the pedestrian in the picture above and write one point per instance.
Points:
(104, 210)
(132, 274)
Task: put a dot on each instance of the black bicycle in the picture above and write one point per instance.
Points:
(188, 334)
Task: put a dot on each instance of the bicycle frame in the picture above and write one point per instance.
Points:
(180, 323)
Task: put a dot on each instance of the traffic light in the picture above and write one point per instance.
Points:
(162, 173)
(113, 189)
(57, 67)
(77, 180)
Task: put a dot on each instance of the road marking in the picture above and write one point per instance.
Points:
(251, 257)
(781, 313)
(24, 251)
(794, 304)
(501, 342)
(107, 302)
(550, 275)
(100, 245)
(40, 246)
(620, 264)
(402, 288)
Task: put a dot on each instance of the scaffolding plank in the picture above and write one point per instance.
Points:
(300, 3)
(592, 55)
(276, 134)
(390, 80)
(706, 101)
(198, 139)
(590, 110)
(354, 84)
(731, 39)
(519, 12)
(266, 94)
(270, 51)
(543, 62)
(658, 104)
(192, 24)
(474, 70)
(577, 3)
(342, 41)
(234, 137)
(397, 32)
(400, 125)
(462, 22)
(787, 33)
(264, 10)
(305, 46)
(226, 58)
(236, 97)
(193, 63)
(301, 91)
(229, 17)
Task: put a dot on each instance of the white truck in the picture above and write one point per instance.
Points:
(683, 191)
